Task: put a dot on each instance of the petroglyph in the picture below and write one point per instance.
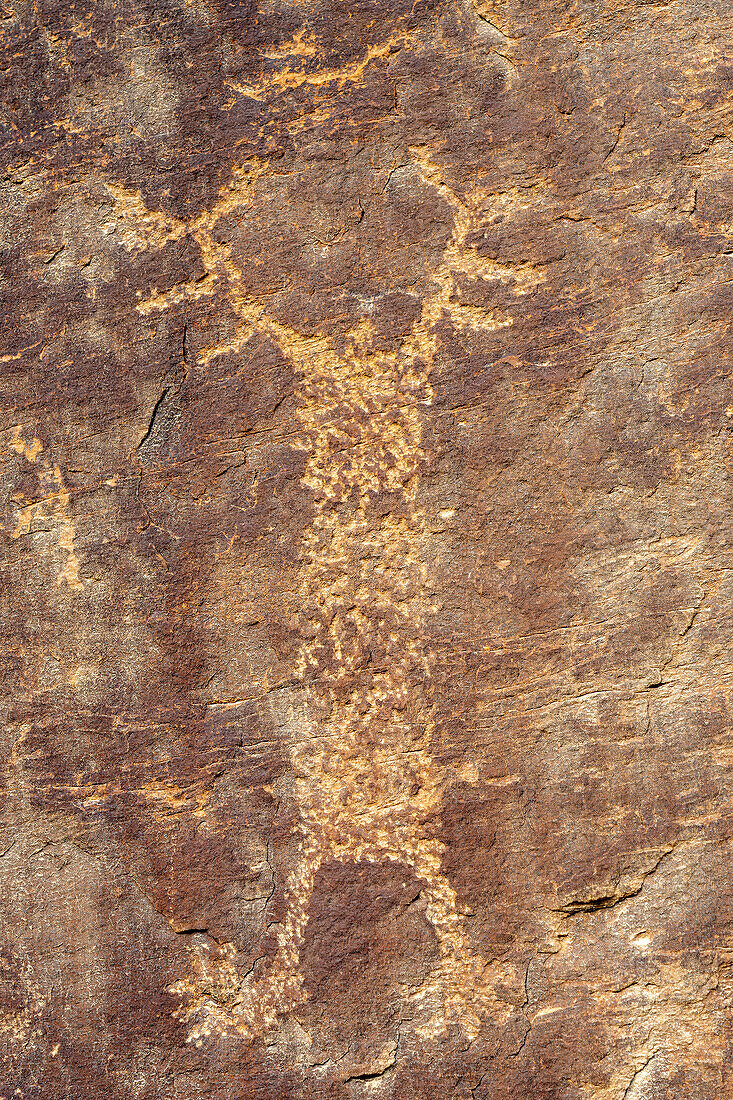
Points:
(366, 784)
(54, 502)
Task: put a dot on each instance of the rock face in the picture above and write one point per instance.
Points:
(368, 566)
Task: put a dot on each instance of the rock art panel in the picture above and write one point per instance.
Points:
(365, 441)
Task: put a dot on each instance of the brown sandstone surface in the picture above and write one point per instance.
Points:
(367, 589)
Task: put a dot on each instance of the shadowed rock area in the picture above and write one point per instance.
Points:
(367, 590)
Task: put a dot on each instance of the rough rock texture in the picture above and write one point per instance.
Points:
(368, 569)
